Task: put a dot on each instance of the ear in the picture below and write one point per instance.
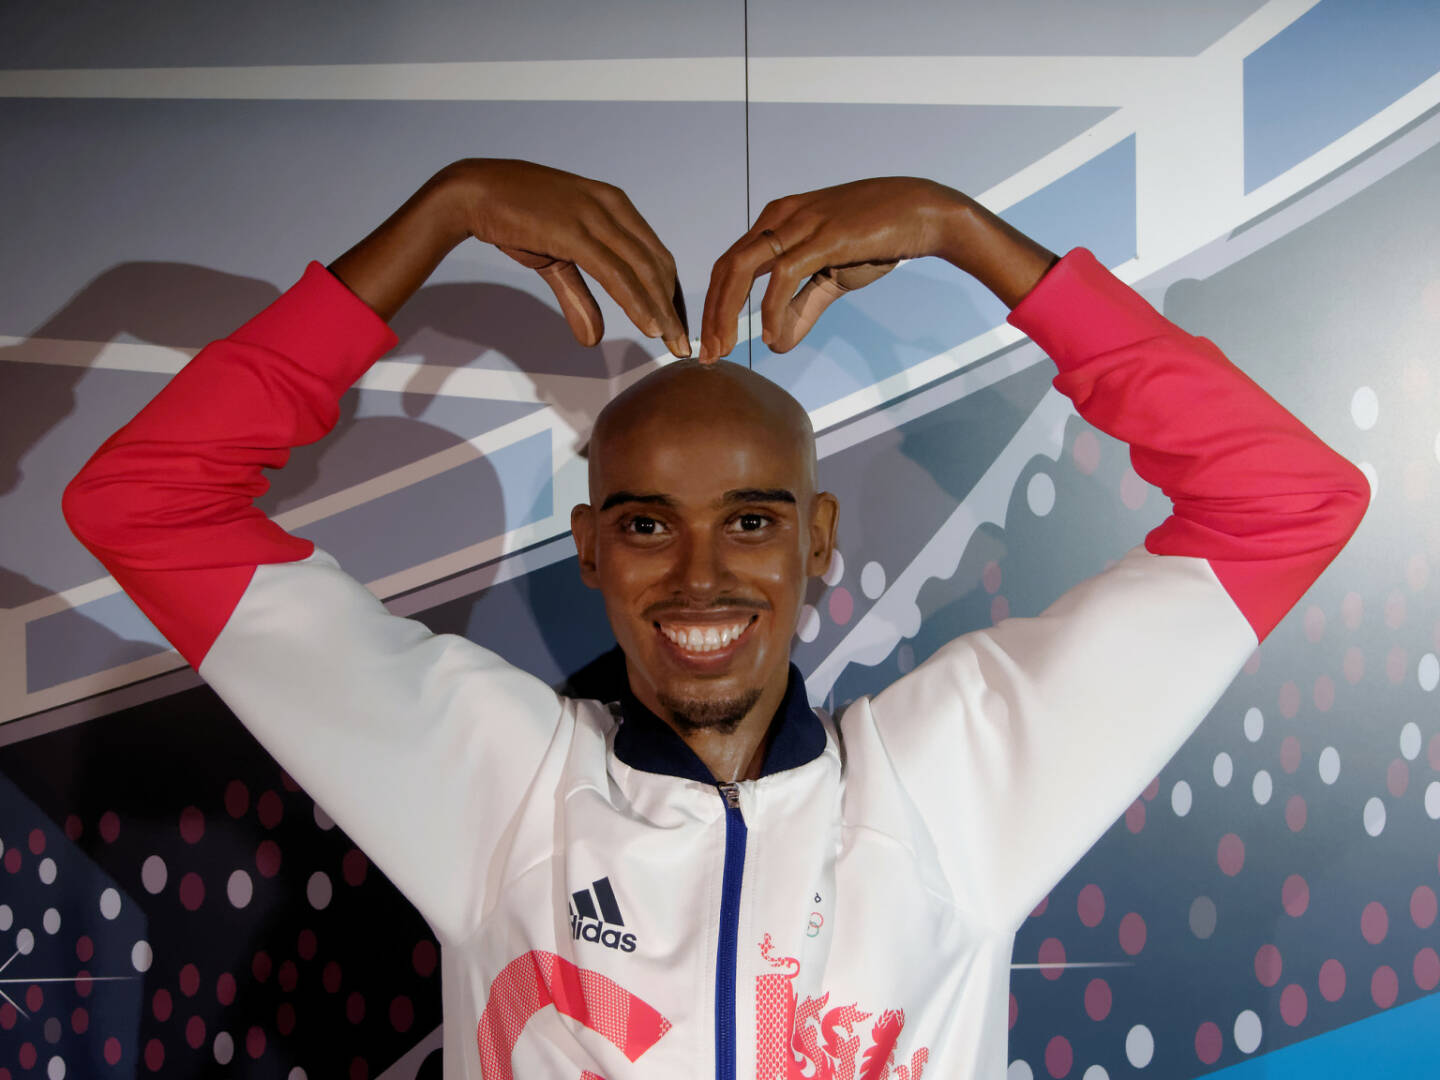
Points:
(582, 527)
(824, 514)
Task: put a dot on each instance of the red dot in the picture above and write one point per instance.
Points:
(990, 577)
(237, 798)
(80, 1020)
(225, 988)
(330, 977)
(110, 826)
(1397, 777)
(27, 1056)
(1252, 665)
(1208, 1043)
(1332, 980)
(260, 966)
(74, 827)
(1314, 623)
(1289, 700)
(162, 1005)
(1374, 922)
(288, 782)
(1427, 969)
(1097, 999)
(189, 980)
(1352, 610)
(1267, 965)
(195, 1032)
(112, 1051)
(1395, 610)
(1086, 451)
(192, 891)
(1135, 816)
(353, 867)
(192, 825)
(355, 1007)
(423, 957)
(1059, 1057)
(154, 1055)
(1290, 753)
(1422, 906)
(306, 944)
(402, 1014)
(359, 1070)
(1014, 1011)
(1231, 854)
(34, 998)
(842, 605)
(1052, 952)
(270, 809)
(1324, 693)
(999, 609)
(1384, 986)
(1132, 934)
(12, 860)
(1293, 1005)
(1039, 909)
(1090, 905)
(289, 976)
(1295, 812)
(285, 1018)
(267, 858)
(1295, 896)
(1395, 665)
(37, 842)
(8, 1015)
(84, 949)
(255, 1042)
(1151, 790)
(83, 983)
(1354, 664)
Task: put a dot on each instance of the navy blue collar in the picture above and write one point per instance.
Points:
(647, 743)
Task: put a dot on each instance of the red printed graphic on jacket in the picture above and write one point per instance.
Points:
(531, 982)
(807, 1041)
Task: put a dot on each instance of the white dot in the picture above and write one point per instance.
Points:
(47, 870)
(1019, 1070)
(1096, 1072)
(837, 569)
(1374, 816)
(239, 888)
(1432, 799)
(1247, 1032)
(1139, 1046)
(7, 918)
(2, 847)
(141, 955)
(55, 1068)
(24, 942)
(1254, 724)
(1040, 494)
(51, 921)
(1371, 477)
(872, 579)
(1223, 769)
(807, 629)
(154, 874)
(1329, 765)
(1410, 741)
(110, 903)
(323, 821)
(1364, 408)
(1429, 672)
(297, 1073)
(1262, 787)
(224, 1048)
(1180, 798)
(319, 890)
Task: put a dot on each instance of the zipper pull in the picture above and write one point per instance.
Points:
(730, 792)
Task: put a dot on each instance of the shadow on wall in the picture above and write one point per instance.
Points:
(443, 328)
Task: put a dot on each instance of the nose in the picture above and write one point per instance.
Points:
(700, 568)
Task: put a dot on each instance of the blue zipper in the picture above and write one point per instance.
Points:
(728, 949)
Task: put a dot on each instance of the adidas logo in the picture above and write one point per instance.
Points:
(595, 914)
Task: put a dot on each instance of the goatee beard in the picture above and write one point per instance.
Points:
(722, 715)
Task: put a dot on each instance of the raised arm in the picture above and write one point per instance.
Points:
(406, 738)
(1022, 742)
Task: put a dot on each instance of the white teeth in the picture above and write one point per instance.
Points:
(703, 638)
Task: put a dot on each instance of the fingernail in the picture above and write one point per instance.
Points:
(679, 346)
(766, 336)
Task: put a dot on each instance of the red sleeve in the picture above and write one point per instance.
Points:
(167, 503)
(1255, 492)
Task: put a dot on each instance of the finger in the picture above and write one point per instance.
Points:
(618, 278)
(822, 290)
(786, 276)
(576, 302)
(655, 272)
(730, 281)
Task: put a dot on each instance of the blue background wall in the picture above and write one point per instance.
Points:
(1263, 172)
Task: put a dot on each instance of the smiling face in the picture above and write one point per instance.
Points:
(702, 529)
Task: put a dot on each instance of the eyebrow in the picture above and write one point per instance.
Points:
(736, 495)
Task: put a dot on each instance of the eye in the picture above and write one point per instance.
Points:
(640, 525)
(752, 522)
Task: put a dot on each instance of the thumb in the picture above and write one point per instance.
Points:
(822, 290)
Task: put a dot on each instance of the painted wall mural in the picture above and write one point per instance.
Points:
(1264, 172)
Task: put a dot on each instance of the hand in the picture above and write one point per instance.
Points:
(557, 224)
(840, 238)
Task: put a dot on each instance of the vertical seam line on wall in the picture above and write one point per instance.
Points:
(749, 314)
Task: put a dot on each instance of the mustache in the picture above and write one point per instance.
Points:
(724, 603)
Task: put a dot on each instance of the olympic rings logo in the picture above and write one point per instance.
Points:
(817, 920)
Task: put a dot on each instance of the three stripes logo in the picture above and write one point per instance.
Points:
(595, 916)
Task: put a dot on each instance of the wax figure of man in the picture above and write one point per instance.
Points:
(707, 877)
